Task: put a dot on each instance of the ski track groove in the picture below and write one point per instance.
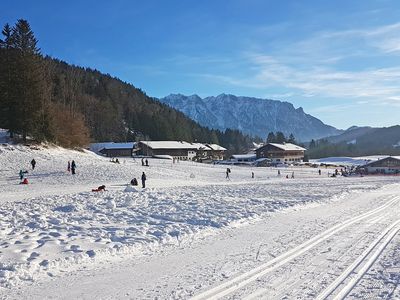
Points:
(244, 279)
(379, 244)
(283, 290)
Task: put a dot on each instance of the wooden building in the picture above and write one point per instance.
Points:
(177, 149)
(387, 165)
(281, 153)
(182, 150)
(117, 149)
(216, 152)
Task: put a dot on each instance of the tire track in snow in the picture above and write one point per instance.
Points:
(244, 279)
(379, 244)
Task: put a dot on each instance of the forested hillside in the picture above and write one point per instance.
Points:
(358, 142)
(50, 100)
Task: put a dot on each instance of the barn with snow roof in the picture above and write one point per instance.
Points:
(387, 165)
(117, 149)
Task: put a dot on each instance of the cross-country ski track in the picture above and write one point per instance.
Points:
(368, 218)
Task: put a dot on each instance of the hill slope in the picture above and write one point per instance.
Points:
(117, 111)
(253, 116)
(359, 141)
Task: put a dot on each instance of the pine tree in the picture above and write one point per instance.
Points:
(280, 137)
(271, 138)
(291, 139)
(30, 86)
(7, 74)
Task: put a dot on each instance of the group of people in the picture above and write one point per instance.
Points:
(22, 178)
(134, 181)
(145, 162)
(71, 167)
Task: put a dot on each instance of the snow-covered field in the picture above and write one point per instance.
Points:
(191, 232)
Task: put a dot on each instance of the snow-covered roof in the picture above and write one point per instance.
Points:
(288, 147)
(200, 146)
(95, 147)
(169, 145)
(380, 159)
(216, 147)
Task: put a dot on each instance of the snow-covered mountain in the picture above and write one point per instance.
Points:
(253, 116)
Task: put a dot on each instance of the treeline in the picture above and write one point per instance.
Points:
(280, 138)
(49, 100)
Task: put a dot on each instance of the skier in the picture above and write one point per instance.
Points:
(69, 167)
(147, 163)
(33, 163)
(252, 174)
(279, 172)
(73, 167)
(319, 171)
(292, 174)
(143, 180)
(142, 161)
(227, 173)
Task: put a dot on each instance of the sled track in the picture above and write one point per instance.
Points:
(362, 263)
(246, 278)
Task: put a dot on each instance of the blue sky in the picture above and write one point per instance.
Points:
(339, 60)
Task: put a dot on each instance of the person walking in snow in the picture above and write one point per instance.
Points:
(147, 163)
(33, 163)
(279, 172)
(227, 173)
(73, 167)
(292, 174)
(142, 161)
(69, 167)
(144, 180)
(252, 174)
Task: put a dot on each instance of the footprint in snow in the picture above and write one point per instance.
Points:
(33, 256)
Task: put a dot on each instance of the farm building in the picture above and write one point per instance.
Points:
(281, 153)
(215, 152)
(387, 165)
(177, 149)
(182, 150)
(113, 149)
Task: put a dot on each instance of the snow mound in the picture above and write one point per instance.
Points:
(130, 189)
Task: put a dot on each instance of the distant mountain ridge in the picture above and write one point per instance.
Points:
(359, 141)
(379, 139)
(252, 116)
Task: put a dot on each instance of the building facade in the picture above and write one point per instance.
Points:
(387, 165)
(281, 153)
(182, 150)
(176, 149)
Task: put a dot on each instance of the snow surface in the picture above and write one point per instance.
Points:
(188, 231)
